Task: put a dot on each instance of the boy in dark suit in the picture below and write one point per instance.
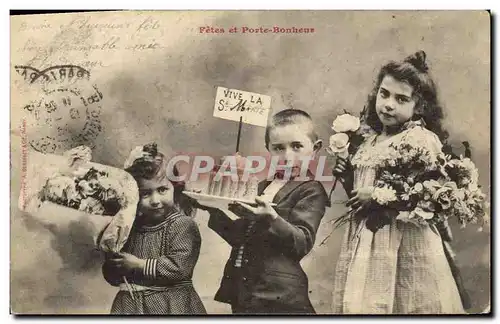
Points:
(263, 274)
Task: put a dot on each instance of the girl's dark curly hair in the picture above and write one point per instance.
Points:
(154, 166)
(414, 71)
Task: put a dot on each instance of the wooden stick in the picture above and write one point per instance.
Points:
(333, 189)
(239, 134)
(129, 287)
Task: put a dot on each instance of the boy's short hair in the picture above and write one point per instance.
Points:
(290, 117)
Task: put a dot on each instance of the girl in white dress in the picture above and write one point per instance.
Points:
(397, 268)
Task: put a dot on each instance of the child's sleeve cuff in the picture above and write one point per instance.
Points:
(149, 270)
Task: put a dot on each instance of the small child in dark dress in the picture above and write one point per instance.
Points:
(155, 267)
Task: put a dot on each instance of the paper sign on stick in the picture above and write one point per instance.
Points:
(252, 107)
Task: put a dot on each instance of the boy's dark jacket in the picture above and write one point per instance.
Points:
(271, 276)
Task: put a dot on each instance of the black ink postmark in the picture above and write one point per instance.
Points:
(67, 110)
(66, 74)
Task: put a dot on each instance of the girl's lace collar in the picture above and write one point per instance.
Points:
(367, 156)
(413, 123)
(409, 125)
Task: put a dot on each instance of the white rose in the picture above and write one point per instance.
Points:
(339, 145)
(346, 123)
(384, 195)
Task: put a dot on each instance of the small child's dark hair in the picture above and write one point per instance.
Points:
(289, 117)
(414, 71)
(154, 166)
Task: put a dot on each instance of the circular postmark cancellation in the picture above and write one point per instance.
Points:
(66, 111)
(66, 74)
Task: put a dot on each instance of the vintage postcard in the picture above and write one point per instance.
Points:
(250, 162)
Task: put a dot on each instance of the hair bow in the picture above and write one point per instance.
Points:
(137, 153)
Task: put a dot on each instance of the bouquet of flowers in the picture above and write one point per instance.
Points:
(88, 190)
(93, 203)
(415, 186)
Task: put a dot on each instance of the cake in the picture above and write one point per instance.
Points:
(226, 186)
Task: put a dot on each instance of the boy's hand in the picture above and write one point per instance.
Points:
(197, 205)
(262, 210)
(360, 197)
(127, 262)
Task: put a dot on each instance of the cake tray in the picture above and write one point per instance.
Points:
(217, 201)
